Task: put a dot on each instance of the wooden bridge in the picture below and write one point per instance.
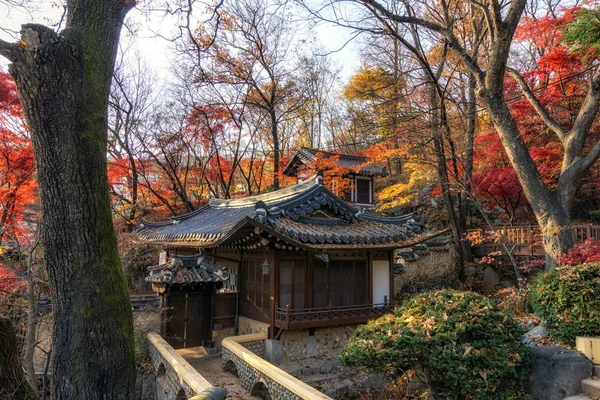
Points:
(522, 240)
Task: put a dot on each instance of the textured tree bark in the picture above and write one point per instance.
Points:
(63, 82)
(13, 383)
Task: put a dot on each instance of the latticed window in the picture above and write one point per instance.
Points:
(342, 283)
(255, 285)
(292, 283)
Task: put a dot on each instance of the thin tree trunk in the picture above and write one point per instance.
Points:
(63, 82)
(275, 134)
(442, 172)
(13, 383)
(471, 119)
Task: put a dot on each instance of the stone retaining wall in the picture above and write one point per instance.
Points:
(242, 356)
(436, 265)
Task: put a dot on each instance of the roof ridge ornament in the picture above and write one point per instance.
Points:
(260, 209)
(320, 175)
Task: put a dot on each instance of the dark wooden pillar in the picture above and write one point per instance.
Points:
(391, 258)
(309, 294)
(370, 275)
(273, 283)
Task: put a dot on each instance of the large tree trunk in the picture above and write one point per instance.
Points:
(63, 82)
(557, 235)
(13, 383)
(551, 209)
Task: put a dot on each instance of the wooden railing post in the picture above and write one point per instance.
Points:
(287, 313)
(330, 310)
(589, 232)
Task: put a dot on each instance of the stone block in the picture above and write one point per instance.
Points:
(538, 331)
(490, 276)
(556, 373)
(273, 351)
(311, 346)
(591, 387)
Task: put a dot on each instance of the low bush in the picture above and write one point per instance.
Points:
(586, 252)
(460, 344)
(568, 301)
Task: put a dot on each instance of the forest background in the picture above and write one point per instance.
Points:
(250, 82)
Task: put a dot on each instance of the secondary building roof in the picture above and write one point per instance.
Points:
(306, 215)
(183, 270)
(357, 164)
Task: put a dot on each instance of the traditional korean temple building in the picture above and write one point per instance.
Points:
(361, 173)
(296, 258)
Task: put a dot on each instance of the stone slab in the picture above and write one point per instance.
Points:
(591, 387)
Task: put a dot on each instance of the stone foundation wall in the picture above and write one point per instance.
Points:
(219, 335)
(325, 343)
(247, 326)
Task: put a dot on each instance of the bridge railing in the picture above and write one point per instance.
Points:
(239, 355)
(522, 239)
(177, 374)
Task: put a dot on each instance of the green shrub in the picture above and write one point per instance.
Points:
(461, 344)
(568, 301)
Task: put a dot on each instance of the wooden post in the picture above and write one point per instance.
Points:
(273, 284)
(391, 261)
(370, 276)
(385, 300)
(287, 313)
(330, 312)
(589, 232)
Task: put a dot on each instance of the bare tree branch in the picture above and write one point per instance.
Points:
(537, 105)
(9, 50)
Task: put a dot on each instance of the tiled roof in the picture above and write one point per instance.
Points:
(357, 164)
(307, 214)
(182, 270)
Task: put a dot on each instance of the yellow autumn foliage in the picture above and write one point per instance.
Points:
(403, 194)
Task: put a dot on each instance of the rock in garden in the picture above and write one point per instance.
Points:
(528, 326)
(472, 271)
(556, 373)
(538, 331)
(490, 276)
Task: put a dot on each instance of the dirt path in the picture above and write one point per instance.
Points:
(209, 366)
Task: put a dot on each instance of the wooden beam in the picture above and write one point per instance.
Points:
(391, 268)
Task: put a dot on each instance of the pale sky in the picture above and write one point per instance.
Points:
(156, 51)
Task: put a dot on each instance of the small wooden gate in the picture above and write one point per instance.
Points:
(188, 318)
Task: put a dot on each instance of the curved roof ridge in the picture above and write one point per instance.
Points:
(271, 197)
(314, 152)
(149, 224)
(381, 218)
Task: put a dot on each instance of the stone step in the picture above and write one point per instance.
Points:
(597, 370)
(591, 387)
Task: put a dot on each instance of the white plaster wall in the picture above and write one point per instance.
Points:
(381, 280)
